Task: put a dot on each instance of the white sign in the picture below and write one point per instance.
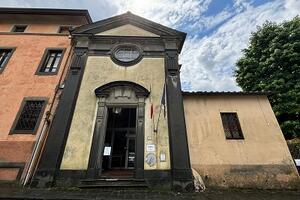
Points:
(107, 151)
(297, 161)
(150, 148)
(162, 157)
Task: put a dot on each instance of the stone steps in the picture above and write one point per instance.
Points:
(113, 182)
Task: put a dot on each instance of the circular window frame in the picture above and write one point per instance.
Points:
(122, 63)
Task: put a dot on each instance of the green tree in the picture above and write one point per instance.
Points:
(272, 63)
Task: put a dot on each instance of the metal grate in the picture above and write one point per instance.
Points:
(231, 126)
(126, 53)
(30, 115)
(52, 61)
(4, 55)
(19, 28)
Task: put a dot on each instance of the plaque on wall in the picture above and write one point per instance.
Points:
(150, 148)
(162, 157)
(150, 159)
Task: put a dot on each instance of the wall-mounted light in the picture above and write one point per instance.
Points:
(117, 110)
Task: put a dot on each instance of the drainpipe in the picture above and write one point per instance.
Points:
(38, 147)
(36, 150)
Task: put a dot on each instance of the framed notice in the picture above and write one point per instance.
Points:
(150, 148)
(107, 151)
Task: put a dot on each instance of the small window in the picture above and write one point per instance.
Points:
(19, 28)
(126, 54)
(64, 29)
(4, 57)
(29, 116)
(231, 126)
(50, 61)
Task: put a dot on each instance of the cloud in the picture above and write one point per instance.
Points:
(209, 62)
(184, 14)
(242, 4)
(98, 9)
(174, 13)
(214, 41)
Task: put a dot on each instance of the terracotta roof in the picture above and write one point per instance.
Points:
(47, 11)
(228, 93)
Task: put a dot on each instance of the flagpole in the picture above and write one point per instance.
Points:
(162, 103)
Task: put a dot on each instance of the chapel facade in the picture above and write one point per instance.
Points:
(122, 119)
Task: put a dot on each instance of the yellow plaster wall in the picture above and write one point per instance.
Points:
(262, 159)
(100, 70)
(128, 30)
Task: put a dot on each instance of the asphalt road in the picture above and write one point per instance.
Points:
(145, 194)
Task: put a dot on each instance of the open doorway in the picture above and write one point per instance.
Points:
(119, 155)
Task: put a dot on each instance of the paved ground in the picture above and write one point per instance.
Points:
(145, 194)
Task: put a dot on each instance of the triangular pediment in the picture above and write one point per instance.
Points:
(128, 30)
(128, 24)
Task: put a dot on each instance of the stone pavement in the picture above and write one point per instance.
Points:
(145, 194)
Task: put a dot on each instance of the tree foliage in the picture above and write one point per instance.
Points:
(272, 63)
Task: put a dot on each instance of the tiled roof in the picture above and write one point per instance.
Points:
(228, 93)
(47, 11)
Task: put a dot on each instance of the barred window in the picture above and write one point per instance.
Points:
(50, 61)
(231, 126)
(4, 57)
(19, 28)
(29, 116)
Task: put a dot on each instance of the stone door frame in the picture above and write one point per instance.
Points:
(118, 94)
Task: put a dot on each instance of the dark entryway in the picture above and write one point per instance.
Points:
(118, 139)
(119, 155)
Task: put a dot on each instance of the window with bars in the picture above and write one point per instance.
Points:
(50, 62)
(4, 57)
(19, 28)
(231, 126)
(29, 116)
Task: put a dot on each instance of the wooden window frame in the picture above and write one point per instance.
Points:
(33, 132)
(13, 30)
(6, 62)
(44, 58)
(232, 137)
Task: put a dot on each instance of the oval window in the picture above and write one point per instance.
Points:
(126, 54)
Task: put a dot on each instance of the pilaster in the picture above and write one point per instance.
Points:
(179, 152)
(52, 153)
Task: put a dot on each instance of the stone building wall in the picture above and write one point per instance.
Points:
(99, 71)
(260, 160)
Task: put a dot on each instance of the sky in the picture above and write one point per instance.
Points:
(217, 30)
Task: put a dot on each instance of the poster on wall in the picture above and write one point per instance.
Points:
(107, 151)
